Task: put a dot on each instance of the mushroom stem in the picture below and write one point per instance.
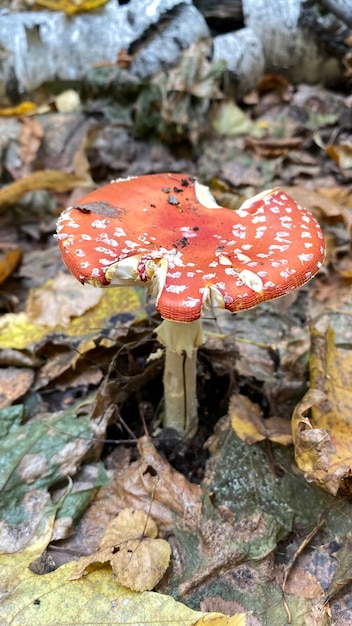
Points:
(180, 397)
(180, 374)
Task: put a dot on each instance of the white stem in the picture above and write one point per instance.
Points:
(180, 393)
(181, 340)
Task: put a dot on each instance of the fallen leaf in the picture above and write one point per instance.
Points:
(272, 147)
(14, 383)
(9, 261)
(228, 119)
(25, 108)
(322, 443)
(17, 332)
(60, 299)
(250, 426)
(33, 457)
(54, 600)
(30, 138)
(153, 484)
(71, 6)
(303, 584)
(343, 575)
(46, 179)
(130, 544)
(342, 154)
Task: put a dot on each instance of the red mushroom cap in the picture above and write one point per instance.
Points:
(164, 231)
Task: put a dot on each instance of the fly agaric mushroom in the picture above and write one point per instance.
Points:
(166, 231)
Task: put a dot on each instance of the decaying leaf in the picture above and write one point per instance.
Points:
(343, 575)
(312, 446)
(34, 457)
(322, 444)
(342, 154)
(250, 426)
(153, 484)
(18, 332)
(55, 600)
(60, 299)
(130, 544)
(46, 179)
(14, 382)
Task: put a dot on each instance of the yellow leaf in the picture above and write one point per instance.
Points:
(71, 6)
(17, 332)
(54, 600)
(250, 426)
(323, 443)
(138, 559)
(25, 108)
(46, 179)
(240, 619)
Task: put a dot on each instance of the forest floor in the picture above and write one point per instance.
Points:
(259, 529)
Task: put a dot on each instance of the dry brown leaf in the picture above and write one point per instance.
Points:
(151, 483)
(30, 139)
(14, 383)
(303, 583)
(60, 299)
(342, 154)
(138, 559)
(250, 426)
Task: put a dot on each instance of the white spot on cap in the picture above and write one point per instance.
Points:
(209, 276)
(106, 251)
(100, 223)
(190, 302)
(119, 232)
(305, 257)
(175, 288)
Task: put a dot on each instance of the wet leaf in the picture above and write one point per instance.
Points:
(130, 544)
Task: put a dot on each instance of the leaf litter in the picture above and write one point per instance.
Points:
(238, 512)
